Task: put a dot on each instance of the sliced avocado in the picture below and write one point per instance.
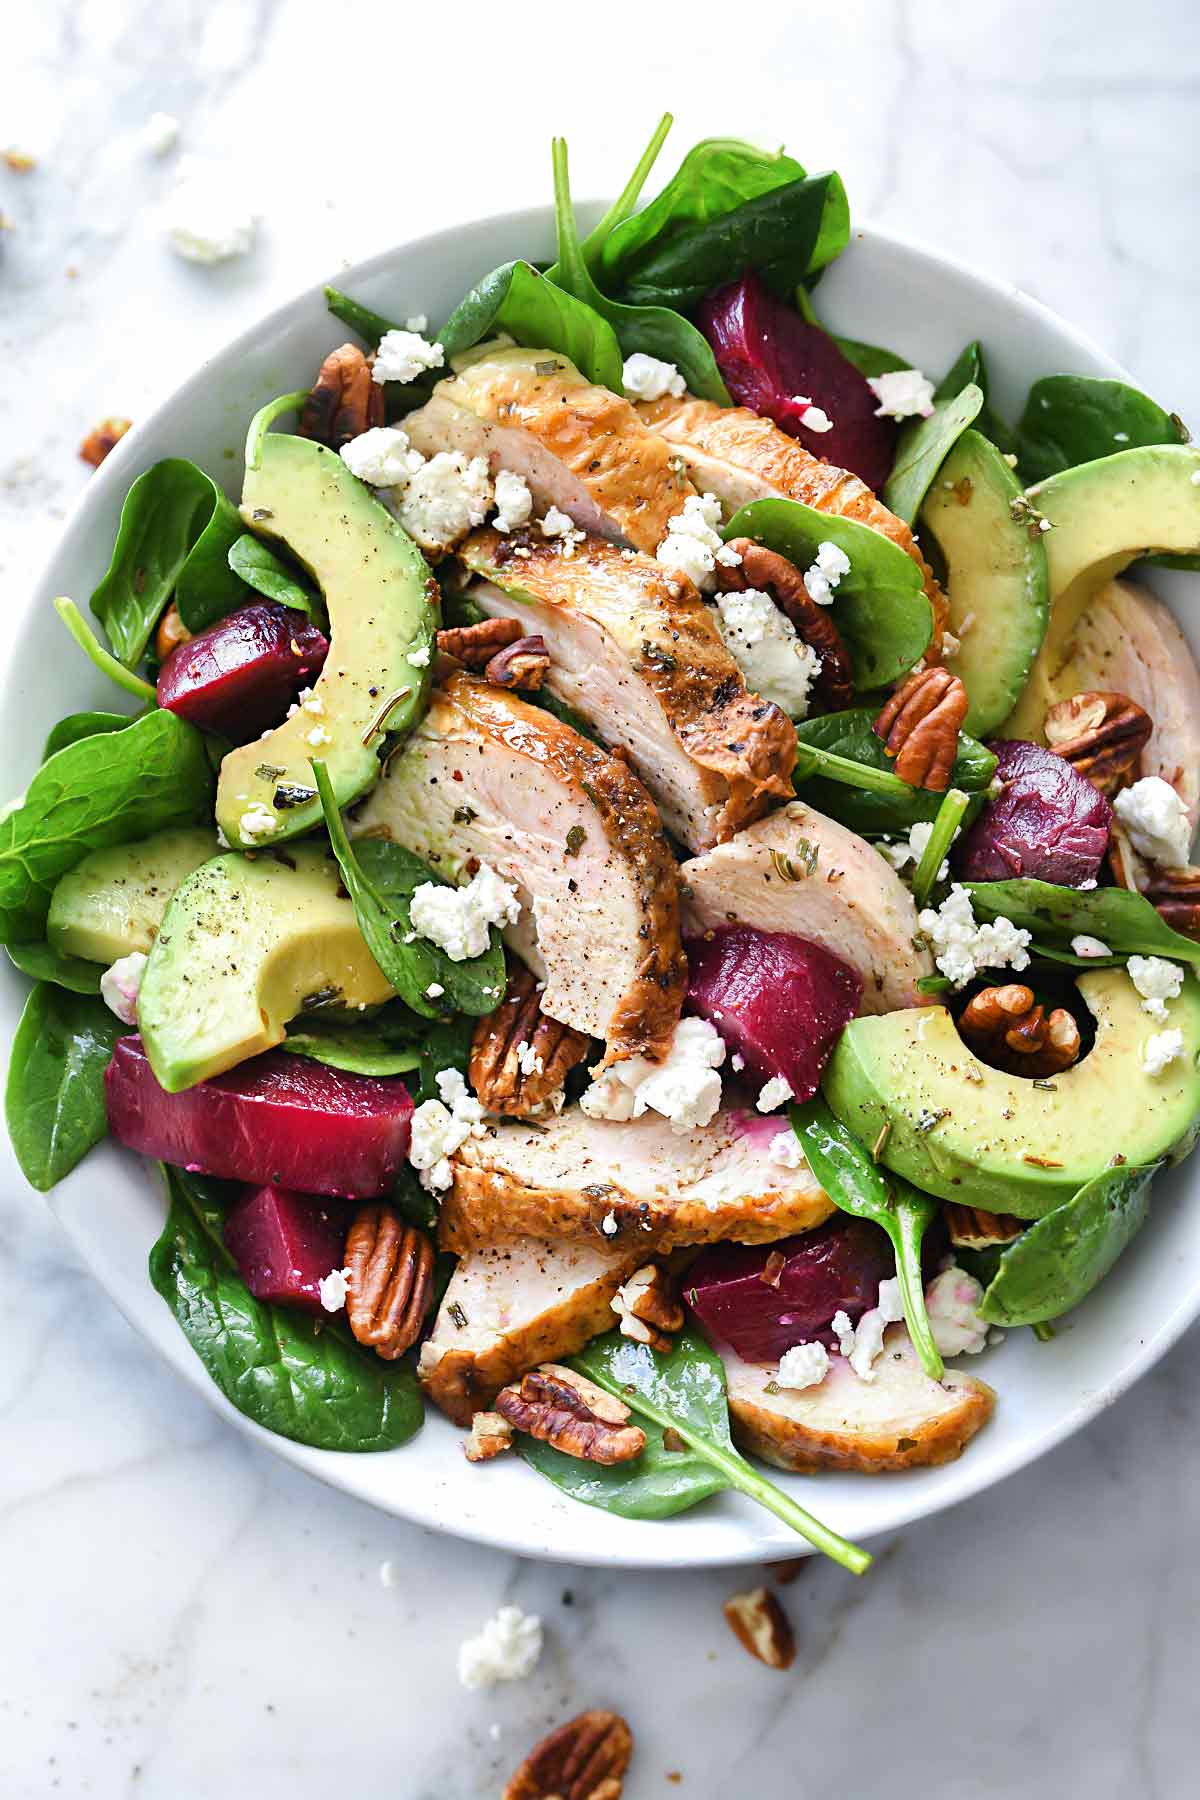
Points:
(113, 902)
(382, 606)
(958, 1128)
(1102, 516)
(997, 588)
(246, 945)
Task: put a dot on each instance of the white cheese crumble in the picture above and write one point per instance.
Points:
(961, 947)
(1156, 820)
(557, 523)
(868, 1334)
(901, 393)
(1157, 981)
(119, 986)
(444, 498)
(333, 1289)
(826, 571)
(434, 991)
(693, 545)
(685, 1087)
(528, 1060)
(419, 659)
(317, 736)
(952, 1303)
(814, 418)
(737, 1062)
(160, 133)
(1083, 945)
(382, 457)
(646, 378)
(457, 919)
(419, 322)
(803, 1366)
(507, 1649)
(403, 355)
(844, 1331)
(777, 664)
(608, 1224)
(774, 1093)
(903, 851)
(1161, 1050)
(784, 1148)
(207, 218)
(514, 502)
(440, 1127)
(257, 821)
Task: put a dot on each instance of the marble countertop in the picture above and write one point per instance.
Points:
(185, 1615)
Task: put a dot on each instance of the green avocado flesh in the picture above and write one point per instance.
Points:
(997, 586)
(112, 903)
(382, 608)
(1102, 516)
(958, 1128)
(245, 946)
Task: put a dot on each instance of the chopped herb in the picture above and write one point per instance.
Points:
(326, 996)
(545, 368)
(268, 772)
(465, 815)
(287, 794)
(927, 1118)
(1047, 1087)
(457, 1314)
(576, 838)
(772, 1387)
(1025, 513)
(1041, 1162)
(881, 1140)
(377, 722)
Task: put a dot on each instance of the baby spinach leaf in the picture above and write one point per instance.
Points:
(1058, 1260)
(971, 366)
(96, 654)
(369, 326)
(257, 565)
(883, 809)
(174, 538)
(54, 1100)
(868, 359)
(881, 608)
(37, 959)
(359, 1052)
(98, 791)
(82, 725)
(300, 1377)
(1070, 419)
(540, 315)
(1126, 922)
(924, 446)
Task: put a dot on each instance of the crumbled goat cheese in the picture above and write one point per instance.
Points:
(912, 849)
(457, 919)
(777, 664)
(119, 986)
(418, 659)
(608, 1224)
(693, 546)
(776, 1092)
(784, 1148)
(317, 736)
(901, 393)
(1161, 1049)
(434, 991)
(257, 821)
(826, 571)
(868, 1333)
(440, 1127)
(419, 322)
(1157, 981)
(685, 1087)
(844, 1331)
(382, 457)
(528, 1060)
(557, 524)
(444, 498)
(506, 1649)
(160, 133)
(1156, 820)
(646, 378)
(403, 355)
(961, 947)
(803, 1366)
(333, 1289)
(514, 502)
(207, 219)
(737, 1062)
(814, 418)
(1083, 945)
(952, 1303)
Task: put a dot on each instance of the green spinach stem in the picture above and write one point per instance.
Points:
(812, 760)
(79, 629)
(949, 818)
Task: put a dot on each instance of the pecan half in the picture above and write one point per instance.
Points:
(1007, 1030)
(170, 634)
(490, 1436)
(476, 645)
(567, 1410)
(585, 1759)
(761, 1626)
(389, 1274)
(647, 1308)
(1102, 735)
(520, 1058)
(767, 571)
(1176, 895)
(920, 726)
(344, 402)
(101, 439)
(971, 1228)
(1124, 864)
(522, 665)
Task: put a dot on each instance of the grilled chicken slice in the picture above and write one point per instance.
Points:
(803, 873)
(515, 1305)
(634, 650)
(579, 447)
(486, 777)
(901, 1420)
(659, 1188)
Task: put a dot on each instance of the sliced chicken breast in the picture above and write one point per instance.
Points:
(579, 447)
(488, 778)
(634, 650)
(900, 1420)
(515, 1305)
(803, 873)
(652, 1187)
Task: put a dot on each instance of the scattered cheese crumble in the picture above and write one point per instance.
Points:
(826, 571)
(403, 355)
(458, 919)
(961, 947)
(206, 218)
(514, 502)
(685, 1087)
(844, 1331)
(1156, 820)
(317, 736)
(333, 1289)
(868, 1334)
(776, 1092)
(443, 499)
(440, 1127)
(646, 378)
(119, 986)
(813, 418)
(952, 1303)
(382, 457)
(418, 659)
(1157, 981)
(507, 1649)
(803, 1366)
(784, 1148)
(901, 393)
(257, 821)
(693, 546)
(419, 322)
(528, 1060)
(1083, 945)
(608, 1224)
(1160, 1050)
(904, 851)
(777, 664)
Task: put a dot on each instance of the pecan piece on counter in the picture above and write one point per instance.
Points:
(490, 1436)
(585, 1759)
(971, 1228)
(520, 1058)
(1102, 735)
(1175, 893)
(522, 664)
(476, 645)
(769, 572)
(920, 726)
(170, 634)
(647, 1308)
(389, 1275)
(1008, 1031)
(103, 438)
(344, 402)
(567, 1410)
(761, 1626)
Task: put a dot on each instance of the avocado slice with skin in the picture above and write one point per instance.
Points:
(958, 1128)
(112, 903)
(247, 944)
(1102, 516)
(382, 605)
(998, 583)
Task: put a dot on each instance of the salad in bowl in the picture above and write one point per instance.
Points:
(644, 902)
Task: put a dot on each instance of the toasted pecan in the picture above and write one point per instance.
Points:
(170, 634)
(490, 1435)
(648, 1309)
(1102, 735)
(971, 1228)
(389, 1269)
(920, 726)
(476, 645)
(1175, 893)
(1009, 1031)
(102, 438)
(519, 1057)
(761, 1626)
(585, 1759)
(522, 664)
(344, 400)
(560, 1407)
(768, 571)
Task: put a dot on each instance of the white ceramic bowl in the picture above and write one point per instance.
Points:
(884, 291)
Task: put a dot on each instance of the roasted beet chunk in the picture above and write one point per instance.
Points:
(240, 675)
(777, 1000)
(286, 1243)
(776, 364)
(1048, 824)
(276, 1119)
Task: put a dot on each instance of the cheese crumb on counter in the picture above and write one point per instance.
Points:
(803, 1366)
(777, 664)
(403, 355)
(961, 947)
(207, 218)
(507, 1649)
(902, 393)
(1157, 981)
(457, 920)
(647, 378)
(119, 986)
(685, 1087)
(1156, 820)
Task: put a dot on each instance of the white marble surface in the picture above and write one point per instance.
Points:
(183, 1615)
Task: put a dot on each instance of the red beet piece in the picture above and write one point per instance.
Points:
(277, 1118)
(775, 363)
(239, 676)
(1048, 824)
(836, 1268)
(285, 1244)
(777, 1000)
